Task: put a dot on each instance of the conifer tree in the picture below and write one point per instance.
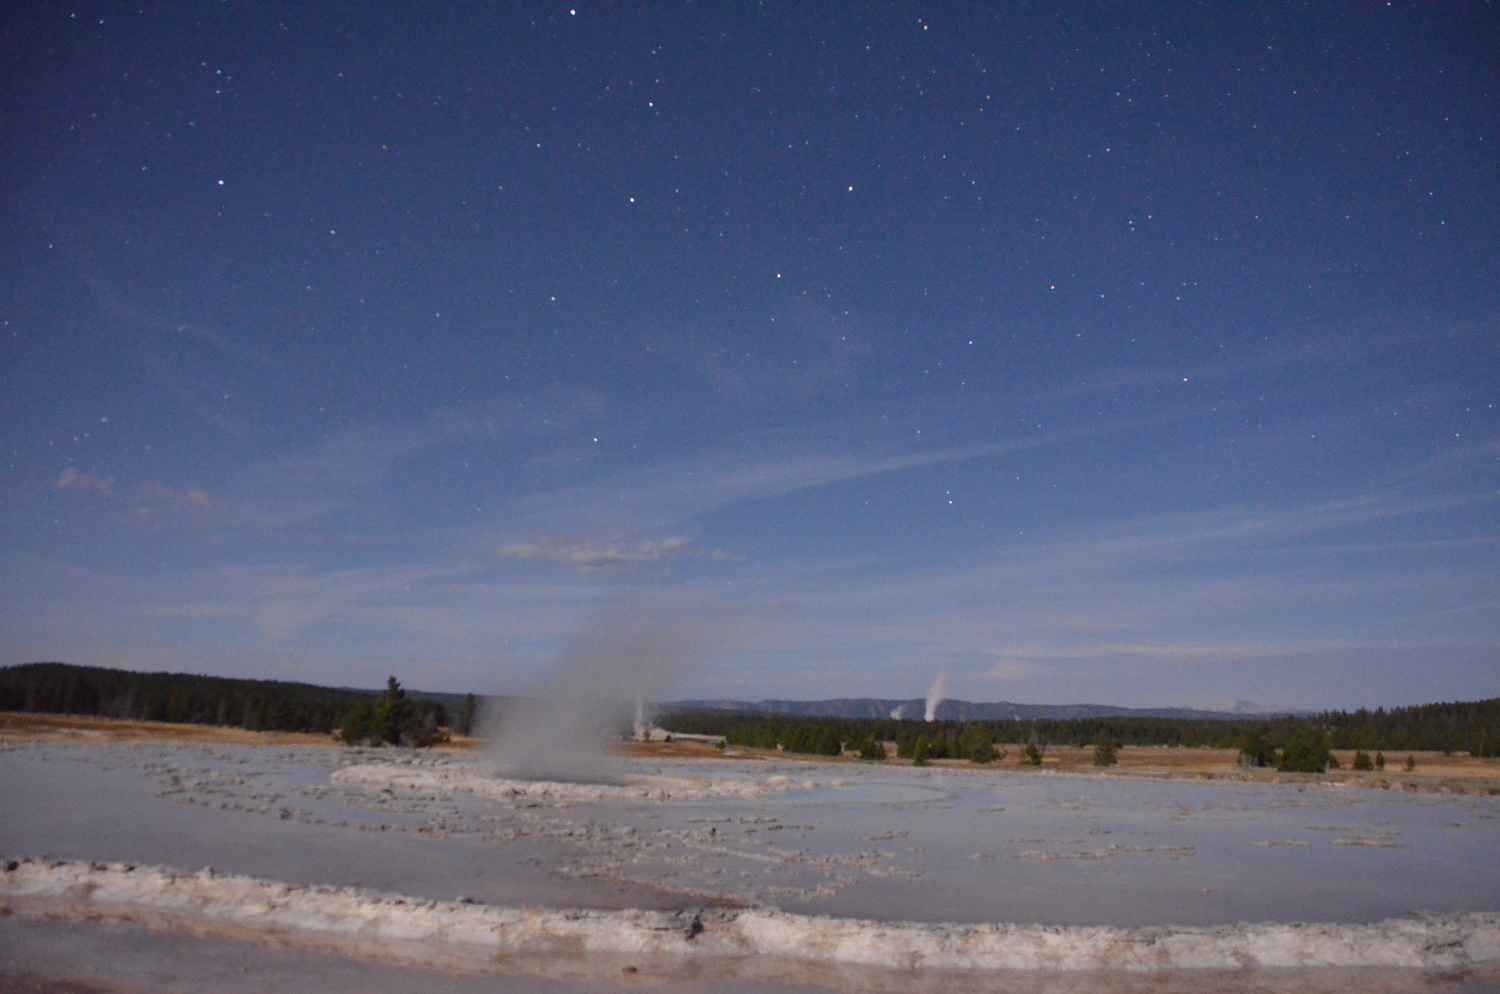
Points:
(1307, 752)
(468, 713)
(392, 714)
(977, 745)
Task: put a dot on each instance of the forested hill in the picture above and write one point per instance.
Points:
(260, 705)
(1472, 727)
(957, 710)
(272, 705)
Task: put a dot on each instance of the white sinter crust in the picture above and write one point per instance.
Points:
(456, 934)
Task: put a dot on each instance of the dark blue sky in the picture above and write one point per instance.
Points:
(1141, 355)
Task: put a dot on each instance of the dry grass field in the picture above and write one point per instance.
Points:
(19, 727)
(16, 727)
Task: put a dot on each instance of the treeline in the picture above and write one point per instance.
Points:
(396, 715)
(258, 705)
(947, 739)
(1472, 727)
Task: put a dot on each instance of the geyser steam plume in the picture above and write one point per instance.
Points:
(620, 659)
(936, 694)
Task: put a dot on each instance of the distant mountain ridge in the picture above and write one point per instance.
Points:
(958, 710)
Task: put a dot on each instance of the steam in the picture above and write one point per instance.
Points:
(899, 712)
(620, 659)
(640, 728)
(936, 694)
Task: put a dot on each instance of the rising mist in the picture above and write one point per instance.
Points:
(936, 694)
(604, 681)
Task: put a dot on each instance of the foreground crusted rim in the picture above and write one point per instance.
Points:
(463, 935)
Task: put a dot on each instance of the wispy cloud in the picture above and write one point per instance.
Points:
(1264, 583)
(585, 556)
(156, 506)
(672, 492)
(1202, 587)
(1321, 350)
(349, 469)
(352, 619)
(189, 497)
(229, 344)
(1243, 530)
(1012, 670)
(72, 479)
(794, 353)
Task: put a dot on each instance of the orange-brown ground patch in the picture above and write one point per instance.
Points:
(19, 726)
(681, 750)
(27, 727)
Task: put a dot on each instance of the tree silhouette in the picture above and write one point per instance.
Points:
(393, 713)
(468, 714)
(977, 745)
(1307, 752)
(1256, 748)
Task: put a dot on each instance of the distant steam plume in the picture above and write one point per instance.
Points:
(936, 694)
(621, 659)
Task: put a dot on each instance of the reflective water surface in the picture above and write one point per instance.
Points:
(853, 840)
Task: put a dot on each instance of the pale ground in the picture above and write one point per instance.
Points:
(1433, 770)
(1177, 835)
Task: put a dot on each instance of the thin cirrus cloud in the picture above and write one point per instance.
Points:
(347, 470)
(148, 503)
(586, 556)
(744, 365)
(226, 344)
(360, 621)
(1175, 589)
(73, 479)
(1324, 350)
(676, 491)
(1215, 578)
(1013, 670)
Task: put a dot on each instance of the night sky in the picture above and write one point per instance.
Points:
(1134, 354)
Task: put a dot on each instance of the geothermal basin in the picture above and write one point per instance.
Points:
(838, 866)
